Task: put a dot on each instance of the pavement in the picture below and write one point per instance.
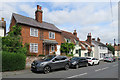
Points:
(103, 70)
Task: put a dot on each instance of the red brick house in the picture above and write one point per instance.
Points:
(44, 38)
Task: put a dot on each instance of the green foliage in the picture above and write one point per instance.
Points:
(13, 61)
(111, 48)
(13, 55)
(70, 55)
(16, 31)
(66, 47)
(0, 43)
(31, 54)
(13, 41)
(41, 55)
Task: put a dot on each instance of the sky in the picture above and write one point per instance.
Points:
(85, 17)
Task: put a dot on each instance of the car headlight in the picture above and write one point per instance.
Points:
(74, 62)
(41, 64)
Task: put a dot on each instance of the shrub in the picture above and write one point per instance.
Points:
(41, 55)
(13, 61)
(70, 55)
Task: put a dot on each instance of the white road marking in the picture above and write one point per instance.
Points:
(105, 68)
(77, 75)
(97, 70)
(101, 69)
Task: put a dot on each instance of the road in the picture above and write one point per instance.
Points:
(103, 70)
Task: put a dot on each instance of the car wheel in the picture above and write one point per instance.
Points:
(46, 69)
(93, 64)
(77, 66)
(98, 63)
(66, 67)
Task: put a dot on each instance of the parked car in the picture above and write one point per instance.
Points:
(50, 62)
(76, 62)
(92, 61)
(119, 58)
(114, 58)
(108, 59)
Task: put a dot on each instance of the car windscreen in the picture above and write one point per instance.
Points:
(88, 58)
(74, 58)
(48, 58)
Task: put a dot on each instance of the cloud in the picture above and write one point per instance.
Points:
(84, 17)
(28, 9)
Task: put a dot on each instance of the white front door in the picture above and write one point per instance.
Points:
(58, 50)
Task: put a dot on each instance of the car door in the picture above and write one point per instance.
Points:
(63, 62)
(56, 63)
(97, 61)
(81, 62)
(94, 60)
(84, 61)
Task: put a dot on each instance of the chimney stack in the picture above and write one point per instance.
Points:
(3, 24)
(89, 38)
(118, 44)
(2, 19)
(38, 14)
(98, 39)
(75, 33)
(106, 43)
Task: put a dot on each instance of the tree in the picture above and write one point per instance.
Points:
(13, 41)
(111, 48)
(67, 47)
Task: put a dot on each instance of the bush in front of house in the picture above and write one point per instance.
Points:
(70, 55)
(13, 61)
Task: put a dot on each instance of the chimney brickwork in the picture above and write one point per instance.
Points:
(75, 33)
(89, 38)
(38, 14)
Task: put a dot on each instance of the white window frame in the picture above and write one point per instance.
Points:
(33, 33)
(35, 50)
(52, 48)
(52, 35)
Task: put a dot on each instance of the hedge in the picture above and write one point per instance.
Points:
(13, 61)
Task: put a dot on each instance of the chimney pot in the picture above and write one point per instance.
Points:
(37, 7)
(40, 7)
(2, 19)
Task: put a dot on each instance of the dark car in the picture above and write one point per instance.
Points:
(76, 62)
(50, 62)
(119, 58)
(114, 58)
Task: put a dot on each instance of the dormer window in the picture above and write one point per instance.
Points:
(68, 40)
(86, 47)
(77, 42)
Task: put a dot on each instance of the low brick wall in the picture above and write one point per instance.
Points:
(30, 59)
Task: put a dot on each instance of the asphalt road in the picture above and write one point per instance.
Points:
(103, 70)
